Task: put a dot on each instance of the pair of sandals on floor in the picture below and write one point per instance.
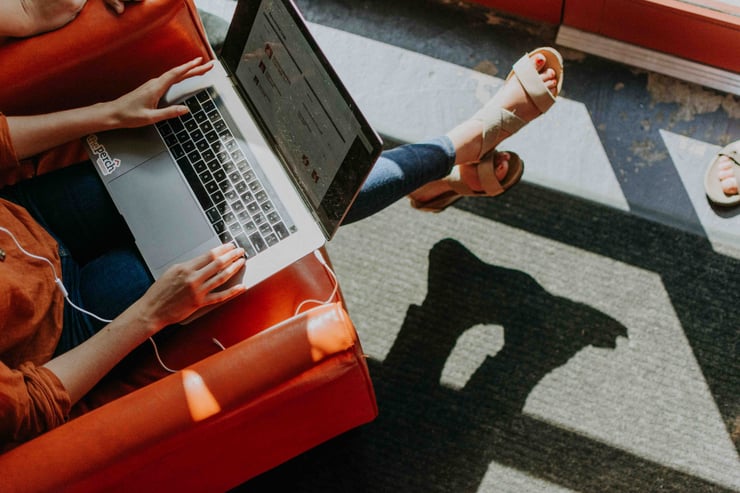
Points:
(496, 120)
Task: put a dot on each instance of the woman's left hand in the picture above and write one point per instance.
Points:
(140, 107)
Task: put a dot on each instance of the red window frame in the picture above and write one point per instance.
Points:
(707, 33)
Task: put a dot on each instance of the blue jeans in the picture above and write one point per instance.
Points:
(101, 267)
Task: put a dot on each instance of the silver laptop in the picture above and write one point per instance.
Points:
(271, 155)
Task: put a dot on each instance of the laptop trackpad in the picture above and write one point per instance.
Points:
(160, 211)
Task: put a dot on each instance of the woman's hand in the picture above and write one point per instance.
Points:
(22, 18)
(185, 288)
(182, 290)
(140, 107)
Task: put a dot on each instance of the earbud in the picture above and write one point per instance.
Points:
(61, 287)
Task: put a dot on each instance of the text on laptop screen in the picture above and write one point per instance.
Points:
(303, 109)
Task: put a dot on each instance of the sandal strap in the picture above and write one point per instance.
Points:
(486, 175)
(530, 80)
(495, 120)
(488, 180)
(732, 155)
(454, 180)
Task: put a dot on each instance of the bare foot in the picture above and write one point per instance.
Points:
(726, 175)
(476, 138)
(438, 187)
(468, 136)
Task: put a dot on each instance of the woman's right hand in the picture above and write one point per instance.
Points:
(185, 288)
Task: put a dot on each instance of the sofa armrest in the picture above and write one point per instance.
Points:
(98, 56)
(214, 424)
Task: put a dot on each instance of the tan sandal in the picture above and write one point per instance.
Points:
(714, 173)
(487, 176)
(496, 119)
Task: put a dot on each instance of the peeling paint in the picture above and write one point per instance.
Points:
(487, 67)
(692, 99)
(645, 150)
(494, 20)
(532, 28)
(572, 54)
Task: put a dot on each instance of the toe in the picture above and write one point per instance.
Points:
(539, 61)
(501, 165)
(729, 186)
(726, 175)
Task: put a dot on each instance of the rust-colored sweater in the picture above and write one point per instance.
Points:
(32, 399)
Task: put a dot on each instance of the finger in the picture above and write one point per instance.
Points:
(203, 260)
(225, 294)
(168, 112)
(180, 73)
(222, 276)
(175, 74)
(218, 264)
(199, 70)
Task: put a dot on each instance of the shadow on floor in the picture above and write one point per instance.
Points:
(429, 437)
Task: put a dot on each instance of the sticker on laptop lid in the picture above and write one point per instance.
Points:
(105, 161)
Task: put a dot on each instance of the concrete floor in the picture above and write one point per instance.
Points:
(620, 136)
(654, 407)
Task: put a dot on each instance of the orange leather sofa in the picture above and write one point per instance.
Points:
(281, 384)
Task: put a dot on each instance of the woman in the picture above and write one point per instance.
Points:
(52, 354)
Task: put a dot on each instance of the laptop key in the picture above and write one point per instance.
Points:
(213, 215)
(235, 229)
(202, 145)
(199, 166)
(191, 125)
(195, 185)
(257, 241)
(281, 230)
(217, 197)
(243, 242)
(177, 151)
(193, 104)
(176, 125)
(206, 127)
(205, 148)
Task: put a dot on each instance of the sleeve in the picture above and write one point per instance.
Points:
(32, 401)
(11, 169)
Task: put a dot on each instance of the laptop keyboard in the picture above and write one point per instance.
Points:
(235, 201)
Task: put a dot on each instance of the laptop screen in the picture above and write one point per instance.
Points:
(301, 105)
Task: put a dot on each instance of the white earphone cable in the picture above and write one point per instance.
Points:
(65, 294)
